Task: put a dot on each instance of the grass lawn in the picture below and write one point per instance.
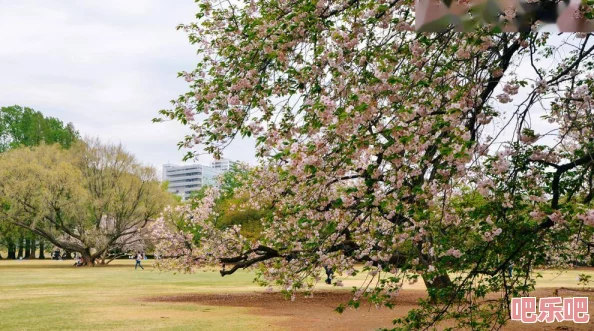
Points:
(53, 295)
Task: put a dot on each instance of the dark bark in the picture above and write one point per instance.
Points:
(20, 244)
(263, 253)
(33, 248)
(242, 262)
(41, 249)
(27, 248)
(11, 250)
(88, 258)
(440, 289)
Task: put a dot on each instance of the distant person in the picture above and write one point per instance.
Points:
(510, 269)
(329, 273)
(78, 261)
(138, 260)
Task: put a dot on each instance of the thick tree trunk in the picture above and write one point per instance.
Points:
(33, 248)
(88, 258)
(440, 288)
(27, 248)
(11, 250)
(41, 249)
(21, 240)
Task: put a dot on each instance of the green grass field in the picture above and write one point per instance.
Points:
(53, 295)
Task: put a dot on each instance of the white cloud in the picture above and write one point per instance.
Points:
(106, 66)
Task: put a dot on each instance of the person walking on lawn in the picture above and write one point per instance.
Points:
(329, 274)
(138, 260)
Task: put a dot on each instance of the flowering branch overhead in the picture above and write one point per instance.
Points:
(416, 154)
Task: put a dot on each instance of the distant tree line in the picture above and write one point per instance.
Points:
(23, 126)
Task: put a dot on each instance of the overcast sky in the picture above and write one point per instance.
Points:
(107, 66)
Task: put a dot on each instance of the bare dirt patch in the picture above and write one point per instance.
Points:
(317, 313)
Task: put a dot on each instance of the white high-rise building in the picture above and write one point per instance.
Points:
(183, 180)
(223, 164)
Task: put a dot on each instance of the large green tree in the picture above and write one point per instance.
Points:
(90, 199)
(232, 208)
(23, 126)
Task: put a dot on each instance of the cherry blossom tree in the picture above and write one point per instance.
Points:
(446, 157)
